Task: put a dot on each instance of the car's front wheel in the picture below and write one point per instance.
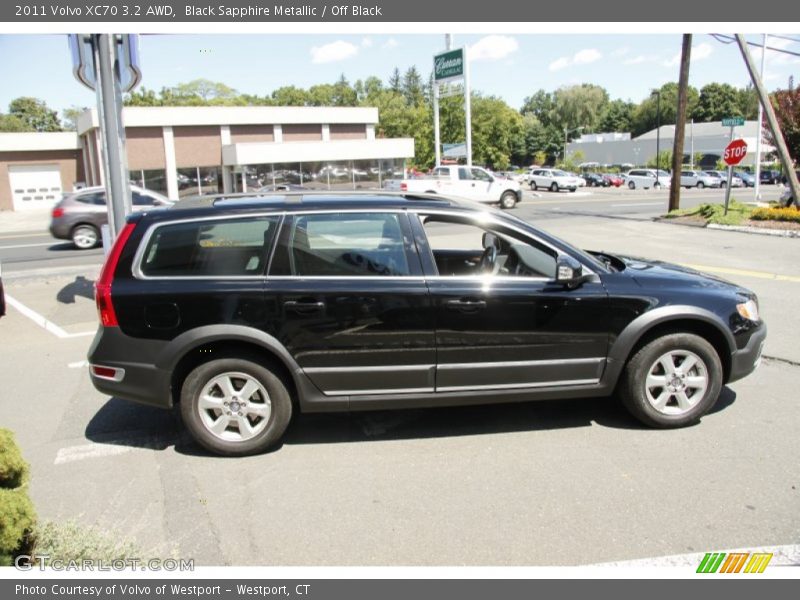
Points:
(700, 185)
(554, 187)
(508, 200)
(533, 186)
(672, 381)
(631, 185)
(235, 407)
(85, 236)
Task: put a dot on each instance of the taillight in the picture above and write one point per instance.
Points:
(58, 212)
(102, 287)
(403, 187)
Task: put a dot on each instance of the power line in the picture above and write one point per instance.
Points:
(725, 39)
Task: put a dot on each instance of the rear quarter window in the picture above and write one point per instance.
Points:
(219, 248)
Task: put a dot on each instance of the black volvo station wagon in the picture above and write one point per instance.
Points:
(244, 309)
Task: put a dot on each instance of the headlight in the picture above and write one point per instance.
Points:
(748, 310)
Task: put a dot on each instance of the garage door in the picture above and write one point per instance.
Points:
(35, 186)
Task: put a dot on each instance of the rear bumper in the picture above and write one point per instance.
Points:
(142, 382)
(745, 361)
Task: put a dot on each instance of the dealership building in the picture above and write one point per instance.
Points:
(181, 151)
(707, 139)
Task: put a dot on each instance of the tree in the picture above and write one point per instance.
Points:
(617, 117)
(210, 92)
(13, 124)
(394, 81)
(540, 105)
(343, 93)
(71, 115)
(718, 101)
(664, 160)
(579, 106)
(289, 96)
(34, 114)
(412, 87)
(787, 110)
(644, 116)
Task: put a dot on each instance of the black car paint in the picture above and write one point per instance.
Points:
(374, 343)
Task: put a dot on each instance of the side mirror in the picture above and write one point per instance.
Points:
(569, 272)
(490, 240)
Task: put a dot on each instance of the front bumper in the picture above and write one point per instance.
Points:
(745, 361)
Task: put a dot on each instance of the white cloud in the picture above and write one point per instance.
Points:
(493, 47)
(333, 52)
(582, 57)
(620, 52)
(588, 56)
(390, 43)
(638, 60)
(366, 42)
(699, 52)
(559, 63)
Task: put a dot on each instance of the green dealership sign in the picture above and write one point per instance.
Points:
(448, 65)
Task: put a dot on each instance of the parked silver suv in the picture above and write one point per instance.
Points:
(78, 216)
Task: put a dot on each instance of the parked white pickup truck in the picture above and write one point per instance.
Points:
(472, 183)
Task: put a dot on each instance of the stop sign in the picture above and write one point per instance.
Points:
(734, 152)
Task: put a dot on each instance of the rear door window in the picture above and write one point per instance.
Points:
(342, 245)
(217, 248)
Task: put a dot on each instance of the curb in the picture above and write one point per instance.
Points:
(785, 233)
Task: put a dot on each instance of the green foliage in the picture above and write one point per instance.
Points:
(70, 116)
(29, 114)
(718, 101)
(787, 109)
(645, 115)
(715, 213)
(17, 515)
(72, 541)
(618, 116)
(664, 160)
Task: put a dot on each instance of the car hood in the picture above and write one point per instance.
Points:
(659, 273)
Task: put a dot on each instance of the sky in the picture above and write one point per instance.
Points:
(509, 66)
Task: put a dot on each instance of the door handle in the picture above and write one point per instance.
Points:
(304, 306)
(465, 305)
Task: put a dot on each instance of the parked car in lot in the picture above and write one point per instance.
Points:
(613, 179)
(79, 216)
(554, 180)
(2, 294)
(770, 176)
(699, 179)
(748, 179)
(244, 310)
(736, 181)
(595, 180)
(646, 178)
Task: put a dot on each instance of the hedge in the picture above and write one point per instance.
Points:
(17, 515)
(791, 214)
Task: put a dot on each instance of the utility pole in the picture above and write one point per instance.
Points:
(757, 186)
(658, 132)
(774, 126)
(680, 127)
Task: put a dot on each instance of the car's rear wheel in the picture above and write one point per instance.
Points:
(631, 185)
(672, 381)
(700, 185)
(508, 200)
(85, 236)
(235, 407)
(554, 187)
(533, 186)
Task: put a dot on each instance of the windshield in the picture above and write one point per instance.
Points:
(558, 173)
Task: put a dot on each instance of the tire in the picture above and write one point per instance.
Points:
(508, 200)
(85, 236)
(554, 187)
(267, 409)
(534, 187)
(695, 392)
(572, 190)
(656, 185)
(631, 185)
(700, 185)
(722, 184)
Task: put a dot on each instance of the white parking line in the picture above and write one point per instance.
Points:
(26, 246)
(113, 447)
(639, 204)
(42, 321)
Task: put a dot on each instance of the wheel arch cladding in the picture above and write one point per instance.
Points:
(204, 344)
(673, 319)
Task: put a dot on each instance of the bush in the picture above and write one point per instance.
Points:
(791, 214)
(715, 213)
(72, 541)
(17, 515)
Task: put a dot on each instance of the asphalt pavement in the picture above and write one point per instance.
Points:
(548, 483)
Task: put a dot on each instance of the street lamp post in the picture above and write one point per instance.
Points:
(658, 131)
(566, 132)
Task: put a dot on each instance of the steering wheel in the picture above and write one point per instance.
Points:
(488, 259)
